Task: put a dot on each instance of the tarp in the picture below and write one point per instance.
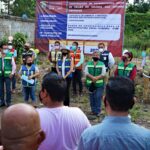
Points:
(87, 22)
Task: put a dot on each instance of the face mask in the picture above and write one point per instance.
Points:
(64, 54)
(10, 47)
(29, 64)
(95, 59)
(124, 59)
(5, 51)
(73, 48)
(57, 47)
(101, 50)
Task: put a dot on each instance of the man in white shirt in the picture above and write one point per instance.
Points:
(62, 125)
(106, 57)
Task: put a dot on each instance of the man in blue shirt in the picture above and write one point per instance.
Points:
(116, 132)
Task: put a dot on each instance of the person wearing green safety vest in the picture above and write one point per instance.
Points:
(95, 72)
(126, 68)
(7, 70)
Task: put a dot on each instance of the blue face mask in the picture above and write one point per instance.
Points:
(5, 51)
(73, 47)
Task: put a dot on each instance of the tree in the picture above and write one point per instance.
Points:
(21, 7)
(7, 4)
(141, 7)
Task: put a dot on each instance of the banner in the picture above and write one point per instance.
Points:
(88, 22)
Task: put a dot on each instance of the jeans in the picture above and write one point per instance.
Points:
(14, 82)
(29, 92)
(7, 82)
(95, 100)
(77, 78)
(67, 95)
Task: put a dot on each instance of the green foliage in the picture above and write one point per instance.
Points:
(21, 7)
(140, 7)
(137, 31)
(4, 40)
(135, 112)
(18, 42)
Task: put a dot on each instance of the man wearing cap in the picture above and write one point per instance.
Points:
(126, 68)
(65, 68)
(7, 70)
(95, 71)
(27, 52)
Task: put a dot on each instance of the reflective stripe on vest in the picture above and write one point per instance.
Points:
(67, 66)
(122, 71)
(7, 65)
(28, 72)
(95, 71)
(76, 58)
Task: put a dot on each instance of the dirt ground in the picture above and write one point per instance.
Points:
(140, 114)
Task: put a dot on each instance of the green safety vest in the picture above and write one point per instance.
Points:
(95, 71)
(122, 71)
(7, 65)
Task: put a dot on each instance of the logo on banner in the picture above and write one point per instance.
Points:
(44, 4)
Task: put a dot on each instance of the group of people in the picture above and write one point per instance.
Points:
(69, 64)
(60, 127)
(8, 73)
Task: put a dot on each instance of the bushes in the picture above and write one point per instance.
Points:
(137, 31)
(18, 42)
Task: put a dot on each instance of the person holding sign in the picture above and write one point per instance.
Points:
(95, 73)
(28, 74)
(65, 68)
(54, 55)
(78, 57)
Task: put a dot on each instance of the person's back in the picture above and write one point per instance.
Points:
(117, 132)
(63, 127)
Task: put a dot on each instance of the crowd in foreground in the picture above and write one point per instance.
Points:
(59, 127)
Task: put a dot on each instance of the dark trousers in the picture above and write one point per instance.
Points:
(14, 82)
(54, 70)
(77, 76)
(67, 95)
(29, 92)
(7, 82)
